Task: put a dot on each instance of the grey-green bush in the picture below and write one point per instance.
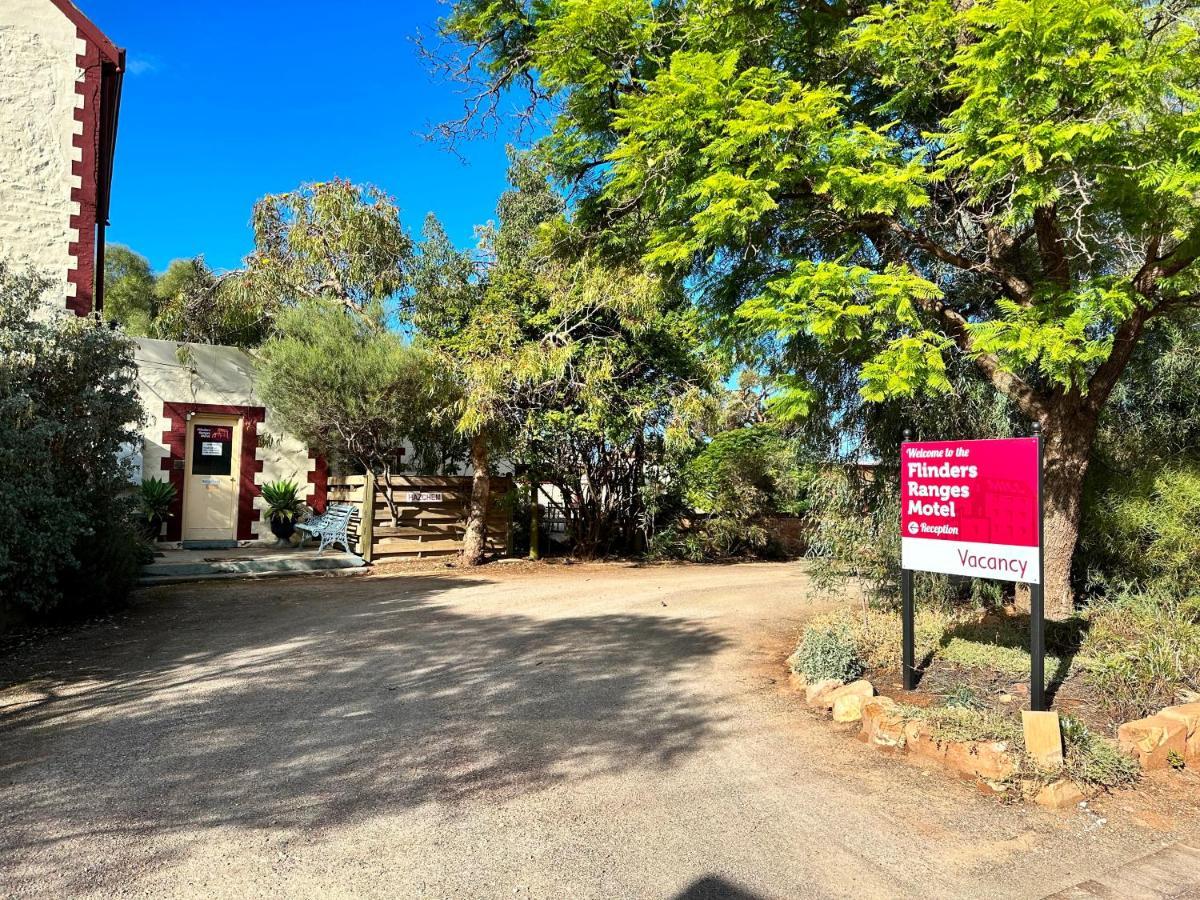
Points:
(827, 651)
(67, 407)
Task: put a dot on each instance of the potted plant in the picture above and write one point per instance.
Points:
(284, 506)
(155, 498)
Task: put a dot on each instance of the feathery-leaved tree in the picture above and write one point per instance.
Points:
(882, 187)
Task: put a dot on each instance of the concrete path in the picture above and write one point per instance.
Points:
(575, 732)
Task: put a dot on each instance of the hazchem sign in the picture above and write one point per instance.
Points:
(971, 508)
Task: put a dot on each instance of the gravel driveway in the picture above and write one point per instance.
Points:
(601, 731)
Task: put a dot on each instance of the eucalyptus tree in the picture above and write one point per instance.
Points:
(566, 362)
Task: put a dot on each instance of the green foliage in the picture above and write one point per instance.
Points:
(848, 153)
(196, 305)
(854, 531)
(155, 497)
(68, 407)
(729, 488)
(567, 361)
(129, 290)
(1141, 520)
(188, 302)
(966, 723)
(971, 638)
(827, 651)
(356, 393)
(284, 503)
(745, 472)
(1089, 758)
(965, 697)
(1147, 527)
(329, 240)
(1142, 650)
(870, 199)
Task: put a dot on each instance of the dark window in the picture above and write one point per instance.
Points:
(212, 450)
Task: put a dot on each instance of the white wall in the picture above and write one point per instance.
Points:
(38, 46)
(216, 375)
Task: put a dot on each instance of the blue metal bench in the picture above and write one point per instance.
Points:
(329, 528)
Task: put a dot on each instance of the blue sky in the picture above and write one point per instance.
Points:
(228, 100)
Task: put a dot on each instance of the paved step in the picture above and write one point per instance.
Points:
(1172, 873)
(169, 571)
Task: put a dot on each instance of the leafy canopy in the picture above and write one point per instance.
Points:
(891, 184)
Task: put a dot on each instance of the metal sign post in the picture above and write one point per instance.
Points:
(908, 665)
(1037, 600)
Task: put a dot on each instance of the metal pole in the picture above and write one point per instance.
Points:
(1037, 603)
(908, 653)
(908, 662)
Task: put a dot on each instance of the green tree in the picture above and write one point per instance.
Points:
(129, 290)
(357, 393)
(331, 240)
(68, 411)
(196, 305)
(567, 363)
(874, 190)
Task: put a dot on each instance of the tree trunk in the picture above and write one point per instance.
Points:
(475, 539)
(535, 517)
(1067, 441)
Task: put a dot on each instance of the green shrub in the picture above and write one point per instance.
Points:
(154, 499)
(741, 477)
(1142, 649)
(68, 407)
(1145, 527)
(1091, 759)
(827, 651)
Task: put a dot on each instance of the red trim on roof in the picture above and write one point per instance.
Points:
(89, 31)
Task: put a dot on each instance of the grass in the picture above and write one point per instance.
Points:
(1088, 758)
(965, 723)
(968, 638)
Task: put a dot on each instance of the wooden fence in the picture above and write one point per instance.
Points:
(431, 514)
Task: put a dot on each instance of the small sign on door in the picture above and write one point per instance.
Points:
(210, 448)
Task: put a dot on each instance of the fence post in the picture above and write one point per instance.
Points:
(366, 518)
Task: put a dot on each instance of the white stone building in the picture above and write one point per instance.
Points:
(206, 432)
(60, 92)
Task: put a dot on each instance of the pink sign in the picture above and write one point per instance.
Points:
(971, 508)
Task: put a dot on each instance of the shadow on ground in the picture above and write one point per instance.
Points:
(713, 887)
(1012, 631)
(258, 709)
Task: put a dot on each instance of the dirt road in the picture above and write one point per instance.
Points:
(588, 731)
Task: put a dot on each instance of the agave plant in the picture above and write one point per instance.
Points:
(155, 498)
(283, 500)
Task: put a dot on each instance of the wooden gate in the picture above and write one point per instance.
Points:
(431, 514)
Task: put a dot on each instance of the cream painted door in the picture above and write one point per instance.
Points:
(210, 489)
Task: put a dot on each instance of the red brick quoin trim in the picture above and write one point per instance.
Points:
(83, 249)
(319, 479)
(175, 440)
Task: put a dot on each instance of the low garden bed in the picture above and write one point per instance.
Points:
(966, 713)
